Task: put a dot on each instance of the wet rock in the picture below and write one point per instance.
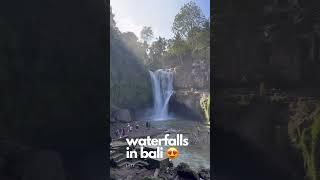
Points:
(184, 171)
(123, 115)
(204, 174)
(191, 100)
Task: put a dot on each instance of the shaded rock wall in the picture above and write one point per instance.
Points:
(193, 74)
(191, 83)
(191, 100)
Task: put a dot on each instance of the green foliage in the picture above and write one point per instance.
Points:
(146, 33)
(192, 34)
(304, 132)
(156, 52)
(137, 48)
(179, 47)
(130, 91)
(199, 41)
(158, 48)
(189, 17)
(205, 105)
(129, 80)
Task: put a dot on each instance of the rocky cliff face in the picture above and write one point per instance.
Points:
(192, 86)
(193, 100)
(192, 75)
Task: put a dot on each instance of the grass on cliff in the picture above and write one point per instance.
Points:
(304, 132)
(205, 105)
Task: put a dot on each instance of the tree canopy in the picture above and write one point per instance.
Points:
(189, 17)
(146, 34)
(191, 38)
(158, 47)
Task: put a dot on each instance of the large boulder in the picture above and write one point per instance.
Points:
(123, 115)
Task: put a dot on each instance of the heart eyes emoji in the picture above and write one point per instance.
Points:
(172, 153)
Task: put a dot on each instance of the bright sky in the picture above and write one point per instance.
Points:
(132, 15)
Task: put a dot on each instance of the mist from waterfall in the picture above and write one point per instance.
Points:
(162, 87)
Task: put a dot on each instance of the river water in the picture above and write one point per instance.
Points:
(197, 153)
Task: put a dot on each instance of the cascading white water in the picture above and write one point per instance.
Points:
(162, 87)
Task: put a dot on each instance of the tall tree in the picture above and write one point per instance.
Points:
(146, 34)
(179, 47)
(158, 48)
(199, 41)
(189, 17)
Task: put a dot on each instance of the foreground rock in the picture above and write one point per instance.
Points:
(123, 115)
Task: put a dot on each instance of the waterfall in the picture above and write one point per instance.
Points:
(162, 87)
